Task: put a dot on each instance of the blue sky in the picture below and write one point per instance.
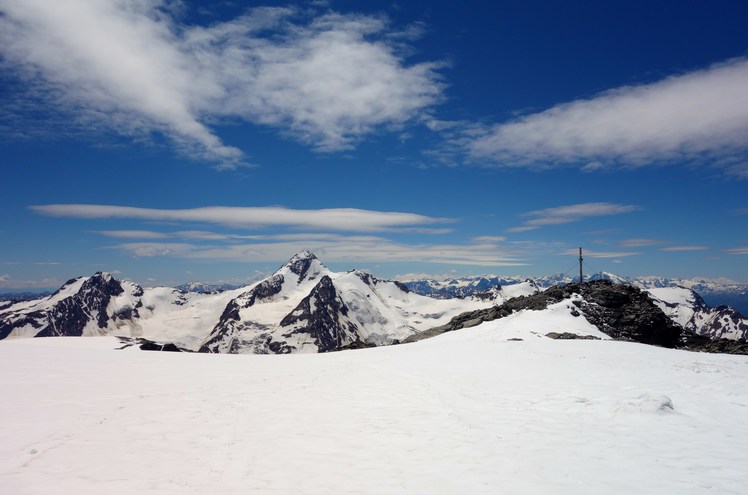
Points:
(171, 141)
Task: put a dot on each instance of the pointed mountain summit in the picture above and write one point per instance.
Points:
(305, 265)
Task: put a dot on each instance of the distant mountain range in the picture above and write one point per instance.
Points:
(205, 288)
(305, 307)
(714, 292)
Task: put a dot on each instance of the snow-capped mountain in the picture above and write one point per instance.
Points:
(302, 307)
(460, 286)
(688, 309)
(83, 306)
(715, 292)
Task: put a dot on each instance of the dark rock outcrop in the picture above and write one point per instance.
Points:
(623, 312)
(569, 336)
(322, 315)
(301, 263)
(149, 345)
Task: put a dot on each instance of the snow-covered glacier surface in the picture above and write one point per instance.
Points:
(472, 411)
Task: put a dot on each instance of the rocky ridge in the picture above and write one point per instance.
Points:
(623, 312)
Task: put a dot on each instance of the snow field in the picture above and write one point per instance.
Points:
(467, 412)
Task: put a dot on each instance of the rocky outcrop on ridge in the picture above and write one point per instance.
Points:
(623, 312)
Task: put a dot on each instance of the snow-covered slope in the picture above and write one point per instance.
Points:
(472, 411)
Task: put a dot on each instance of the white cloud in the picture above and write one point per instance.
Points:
(347, 219)
(151, 249)
(6, 281)
(570, 213)
(691, 116)
(130, 65)
(684, 248)
(133, 234)
(738, 250)
(488, 239)
(598, 254)
(634, 243)
(333, 249)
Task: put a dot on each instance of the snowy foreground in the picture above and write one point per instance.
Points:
(466, 412)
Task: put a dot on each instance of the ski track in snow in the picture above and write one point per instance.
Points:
(465, 412)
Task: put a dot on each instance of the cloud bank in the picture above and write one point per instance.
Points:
(333, 248)
(570, 213)
(599, 254)
(341, 219)
(701, 114)
(131, 66)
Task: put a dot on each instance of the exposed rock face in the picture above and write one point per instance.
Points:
(149, 345)
(323, 317)
(264, 290)
(724, 318)
(625, 313)
(301, 263)
(702, 343)
(621, 311)
(570, 336)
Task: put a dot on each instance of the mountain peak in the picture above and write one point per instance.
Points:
(304, 264)
(105, 276)
(301, 256)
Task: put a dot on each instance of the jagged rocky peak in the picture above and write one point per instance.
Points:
(105, 282)
(305, 265)
(100, 282)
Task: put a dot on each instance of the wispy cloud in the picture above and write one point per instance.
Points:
(684, 248)
(333, 249)
(737, 250)
(488, 239)
(326, 79)
(599, 254)
(8, 282)
(635, 243)
(697, 115)
(133, 234)
(345, 219)
(570, 213)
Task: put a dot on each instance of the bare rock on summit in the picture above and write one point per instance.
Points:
(623, 312)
